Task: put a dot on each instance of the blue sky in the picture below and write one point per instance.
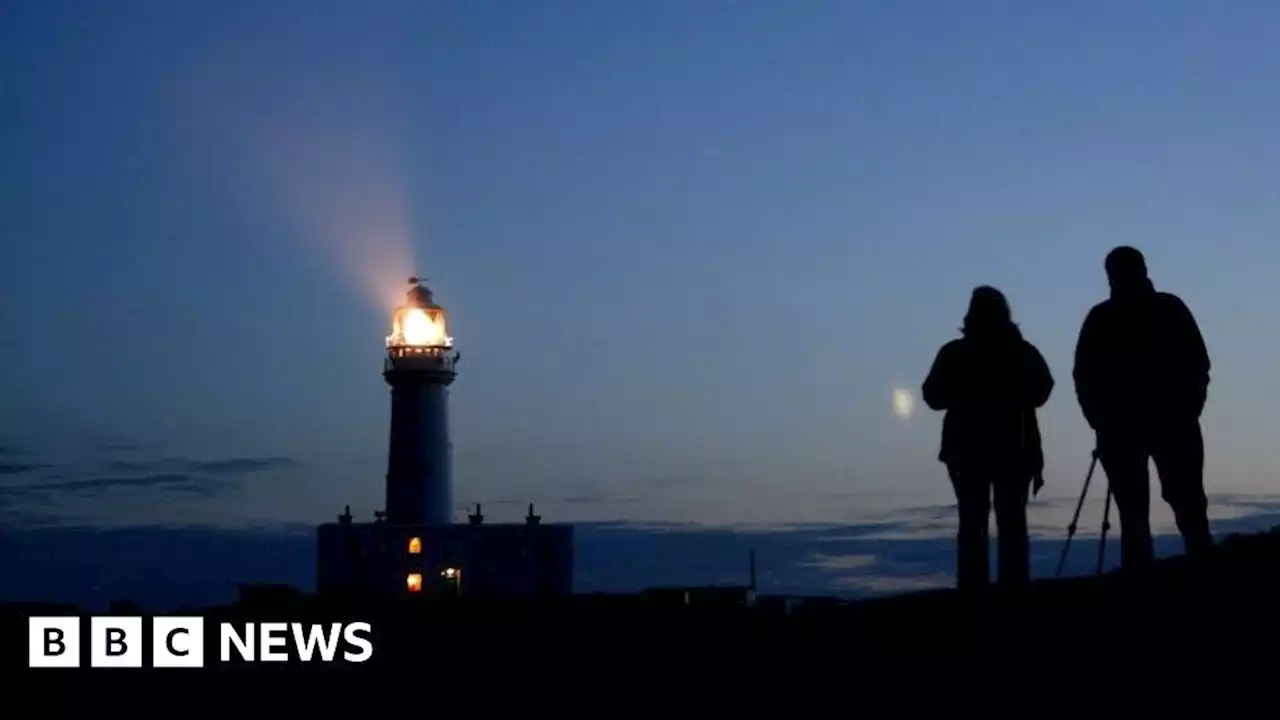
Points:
(689, 249)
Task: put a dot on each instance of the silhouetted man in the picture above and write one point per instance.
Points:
(1142, 377)
(990, 382)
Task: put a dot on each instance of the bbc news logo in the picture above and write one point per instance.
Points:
(178, 642)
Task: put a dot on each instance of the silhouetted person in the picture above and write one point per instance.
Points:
(990, 382)
(1142, 377)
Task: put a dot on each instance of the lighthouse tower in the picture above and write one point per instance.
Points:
(420, 365)
(412, 548)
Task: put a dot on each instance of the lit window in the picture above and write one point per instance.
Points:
(415, 546)
(414, 581)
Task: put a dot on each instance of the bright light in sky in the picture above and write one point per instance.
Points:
(903, 403)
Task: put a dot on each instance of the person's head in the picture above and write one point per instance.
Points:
(989, 315)
(1127, 272)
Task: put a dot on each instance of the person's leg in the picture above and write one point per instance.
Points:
(1014, 564)
(1179, 456)
(1125, 461)
(973, 501)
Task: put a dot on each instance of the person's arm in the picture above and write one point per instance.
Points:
(1085, 371)
(1039, 378)
(939, 387)
(1192, 352)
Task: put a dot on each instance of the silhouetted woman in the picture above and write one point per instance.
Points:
(990, 382)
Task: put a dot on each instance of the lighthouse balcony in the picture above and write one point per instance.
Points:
(439, 359)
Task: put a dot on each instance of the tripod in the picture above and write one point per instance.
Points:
(1106, 520)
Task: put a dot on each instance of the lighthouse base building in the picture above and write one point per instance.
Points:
(414, 549)
(506, 560)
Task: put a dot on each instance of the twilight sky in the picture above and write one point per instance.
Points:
(689, 248)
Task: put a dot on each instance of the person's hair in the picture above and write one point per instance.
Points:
(989, 315)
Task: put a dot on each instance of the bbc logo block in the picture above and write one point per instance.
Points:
(53, 642)
(115, 642)
(179, 642)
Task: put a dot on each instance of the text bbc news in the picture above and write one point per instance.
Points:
(179, 642)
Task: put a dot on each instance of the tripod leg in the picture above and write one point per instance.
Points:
(1106, 525)
(1075, 518)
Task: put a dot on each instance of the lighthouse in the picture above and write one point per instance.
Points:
(420, 366)
(412, 549)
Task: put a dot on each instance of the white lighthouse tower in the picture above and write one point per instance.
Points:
(420, 365)
(413, 549)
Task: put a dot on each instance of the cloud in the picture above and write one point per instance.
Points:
(19, 468)
(133, 466)
(601, 500)
(671, 481)
(230, 466)
(176, 482)
(120, 442)
(840, 562)
(40, 490)
(168, 481)
(241, 466)
(863, 531)
(204, 478)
